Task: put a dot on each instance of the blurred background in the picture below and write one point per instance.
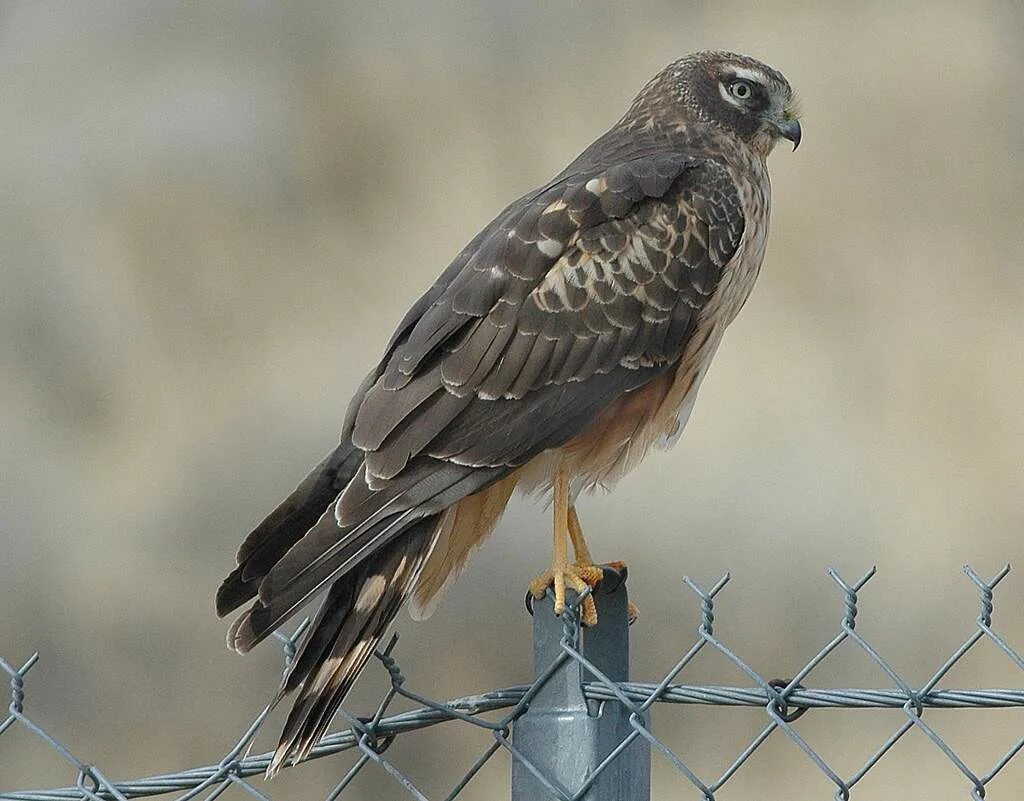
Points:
(213, 214)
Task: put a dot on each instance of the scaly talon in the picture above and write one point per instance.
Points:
(579, 578)
(590, 574)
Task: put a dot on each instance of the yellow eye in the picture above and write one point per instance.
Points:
(741, 90)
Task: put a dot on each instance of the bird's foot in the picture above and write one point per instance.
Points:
(575, 575)
(579, 576)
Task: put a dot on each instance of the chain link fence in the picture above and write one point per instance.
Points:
(581, 699)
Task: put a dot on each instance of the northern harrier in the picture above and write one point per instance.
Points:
(568, 338)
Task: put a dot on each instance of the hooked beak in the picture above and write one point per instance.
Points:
(789, 129)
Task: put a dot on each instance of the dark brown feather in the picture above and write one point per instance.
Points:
(286, 525)
(411, 436)
(330, 548)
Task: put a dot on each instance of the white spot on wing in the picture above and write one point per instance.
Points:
(593, 186)
(576, 276)
(549, 247)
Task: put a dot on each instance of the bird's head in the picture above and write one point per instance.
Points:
(731, 92)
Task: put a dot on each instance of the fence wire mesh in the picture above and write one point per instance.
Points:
(783, 702)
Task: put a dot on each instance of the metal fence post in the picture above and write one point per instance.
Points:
(565, 736)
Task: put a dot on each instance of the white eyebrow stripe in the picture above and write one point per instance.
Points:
(752, 75)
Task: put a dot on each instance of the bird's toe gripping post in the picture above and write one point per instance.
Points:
(578, 577)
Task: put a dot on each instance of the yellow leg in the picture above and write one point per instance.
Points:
(560, 559)
(585, 562)
(582, 573)
(579, 545)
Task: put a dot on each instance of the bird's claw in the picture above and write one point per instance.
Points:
(578, 576)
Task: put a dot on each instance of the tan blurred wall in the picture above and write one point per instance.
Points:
(212, 214)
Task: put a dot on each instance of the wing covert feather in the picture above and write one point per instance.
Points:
(602, 272)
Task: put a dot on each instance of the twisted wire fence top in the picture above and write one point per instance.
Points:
(783, 702)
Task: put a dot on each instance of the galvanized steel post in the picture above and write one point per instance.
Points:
(564, 736)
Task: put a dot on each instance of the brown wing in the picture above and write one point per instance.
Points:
(589, 291)
(573, 296)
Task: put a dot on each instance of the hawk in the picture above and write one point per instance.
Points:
(567, 339)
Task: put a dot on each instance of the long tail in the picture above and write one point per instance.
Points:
(357, 612)
(286, 525)
(371, 559)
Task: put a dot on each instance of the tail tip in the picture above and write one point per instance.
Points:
(239, 637)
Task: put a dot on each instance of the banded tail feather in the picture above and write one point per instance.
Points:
(359, 606)
(356, 613)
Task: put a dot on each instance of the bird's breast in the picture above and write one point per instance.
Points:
(750, 175)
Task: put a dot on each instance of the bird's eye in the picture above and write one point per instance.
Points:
(741, 90)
